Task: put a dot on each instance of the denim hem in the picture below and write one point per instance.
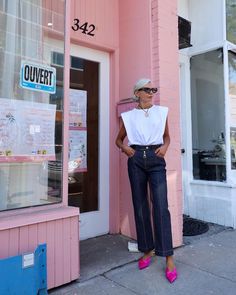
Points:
(145, 251)
(164, 254)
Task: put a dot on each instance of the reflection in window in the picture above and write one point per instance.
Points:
(57, 58)
(232, 97)
(77, 63)
(231, 20)
(208, 120)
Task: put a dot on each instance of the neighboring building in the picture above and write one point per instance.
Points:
(67, 71)
(208, 111)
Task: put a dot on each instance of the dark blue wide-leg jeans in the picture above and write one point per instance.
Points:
(144, 168)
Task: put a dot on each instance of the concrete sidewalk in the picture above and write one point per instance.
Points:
(205, 263)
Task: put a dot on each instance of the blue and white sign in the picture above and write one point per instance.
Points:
(38, 77)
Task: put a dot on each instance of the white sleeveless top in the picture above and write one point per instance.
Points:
(142, 130)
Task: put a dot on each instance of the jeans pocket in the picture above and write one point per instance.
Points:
(131, 157)
(160, 159)
(157, 156)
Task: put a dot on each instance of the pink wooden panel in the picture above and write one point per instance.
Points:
(33, 237)
(53, 12)
(42, 239)
(91, 12)
(27, 217)
(74, 250)
(58, 250)
(13, 241)
(104, 15)
(100, 21)
(42, 233)
(62, 239)
(58, 6)
(4, 246)
(23, 239)
(50, 240)
(66, 257)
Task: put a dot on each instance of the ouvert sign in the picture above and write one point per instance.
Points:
(38, 77)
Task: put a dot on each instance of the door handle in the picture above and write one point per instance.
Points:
(182, 151)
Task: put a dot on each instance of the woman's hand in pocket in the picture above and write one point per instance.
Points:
(161, 151)
(128, 151)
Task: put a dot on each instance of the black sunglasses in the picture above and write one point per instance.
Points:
(148, 90)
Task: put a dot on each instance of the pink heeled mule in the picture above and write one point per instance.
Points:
(171, 275)
(144, 262)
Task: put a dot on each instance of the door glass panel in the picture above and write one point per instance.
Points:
(208, 116)
(232, 96)
(55, 167)
(83, 135)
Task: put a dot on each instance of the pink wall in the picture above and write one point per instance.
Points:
(104, 15)
(166, 76)
(149, 48)
(135, 43)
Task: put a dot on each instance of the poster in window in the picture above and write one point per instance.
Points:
(78, 151)
(78, 108)
(27, 131)
(78, 131)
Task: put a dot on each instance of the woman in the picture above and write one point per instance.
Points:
(146, 127)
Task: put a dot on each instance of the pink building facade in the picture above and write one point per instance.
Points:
(80, 186)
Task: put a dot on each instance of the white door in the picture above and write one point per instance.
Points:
(93, 75)
(186, 132)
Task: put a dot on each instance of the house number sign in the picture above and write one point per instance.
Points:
(85, 27)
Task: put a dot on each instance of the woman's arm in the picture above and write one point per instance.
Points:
(161, 151)
(119, 142)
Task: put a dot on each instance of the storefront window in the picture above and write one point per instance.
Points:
(232, 96)
(231, 20)
(31, 103)
(208, 116)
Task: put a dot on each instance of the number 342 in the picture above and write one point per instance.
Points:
(85, 28)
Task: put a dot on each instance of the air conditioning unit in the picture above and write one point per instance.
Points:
(184, 27)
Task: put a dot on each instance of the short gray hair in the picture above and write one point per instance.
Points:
(141, 83)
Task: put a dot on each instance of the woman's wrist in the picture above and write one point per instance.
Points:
(122, 147)
(165, 145)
